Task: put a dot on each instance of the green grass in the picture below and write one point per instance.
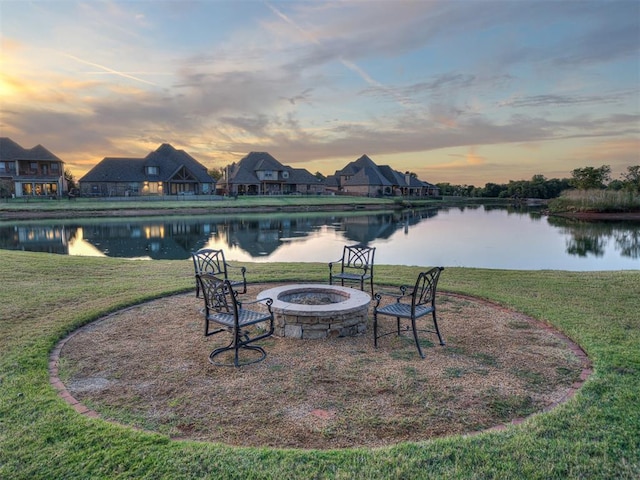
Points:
(595, 201)
(168, 203)
(43, 297)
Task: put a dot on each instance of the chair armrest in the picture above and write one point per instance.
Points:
(403, 293)
(334, 262)
(265, 301)
(243, 270)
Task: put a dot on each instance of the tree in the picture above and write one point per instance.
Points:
(492, 190)
(216, 173)
(590, 177)
(632, 178)
(71, 181)
(6, 188)
(319, 176)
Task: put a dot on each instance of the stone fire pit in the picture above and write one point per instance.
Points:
(311, 311)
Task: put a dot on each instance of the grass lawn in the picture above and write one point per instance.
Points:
(43, 297)
(175, 203)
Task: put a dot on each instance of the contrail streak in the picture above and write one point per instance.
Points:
(348, 64)
(109, 70)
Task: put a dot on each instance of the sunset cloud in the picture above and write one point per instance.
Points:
(475, 91)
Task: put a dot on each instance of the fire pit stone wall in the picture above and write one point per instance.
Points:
(347, 315)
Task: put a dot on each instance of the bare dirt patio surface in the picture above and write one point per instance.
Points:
(147, 366)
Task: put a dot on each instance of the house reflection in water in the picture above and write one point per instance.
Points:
(262, 237)
(157, 240)
(175, 238)
(45, 238)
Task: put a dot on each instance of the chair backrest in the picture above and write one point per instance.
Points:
(425, 289)
(219, 296)
(358, 256)
(211, 261)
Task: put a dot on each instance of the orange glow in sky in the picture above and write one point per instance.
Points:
(458, 92)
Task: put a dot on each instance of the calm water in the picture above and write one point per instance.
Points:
(479, 236)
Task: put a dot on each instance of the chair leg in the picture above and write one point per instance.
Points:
(435, 324)
(375, 329)
(237, 345)
(415, 336)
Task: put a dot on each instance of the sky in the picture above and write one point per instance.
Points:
(458, 91)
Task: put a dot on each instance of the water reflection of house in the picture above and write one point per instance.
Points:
(261, 237)
(48, 239)
(173, 240)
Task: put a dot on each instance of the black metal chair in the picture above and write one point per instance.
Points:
(211, 261)
(418, 303)
(356, 265)
(224, 310)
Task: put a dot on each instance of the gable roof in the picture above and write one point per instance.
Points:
(364, 171)
(354, 167)
(168, 160)
(245, 170)
(10, 150)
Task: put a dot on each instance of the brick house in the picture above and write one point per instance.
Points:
(165, 171)
(363, 177)
(260, 174)
(26, 172)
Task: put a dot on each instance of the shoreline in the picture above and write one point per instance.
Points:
(140, 212)
(64, 213)
(598, 216)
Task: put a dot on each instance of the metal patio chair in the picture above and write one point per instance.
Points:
(417, 303)
(225, 312)
(356, 265)
(207, 260)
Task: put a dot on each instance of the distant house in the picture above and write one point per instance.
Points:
(364, 178)
(30, 172)
(260, 174)
(166, 171)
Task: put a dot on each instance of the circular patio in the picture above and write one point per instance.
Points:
(147, 366)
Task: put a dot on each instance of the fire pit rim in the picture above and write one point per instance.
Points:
(354, 301)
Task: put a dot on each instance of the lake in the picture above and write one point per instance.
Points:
(471, 236)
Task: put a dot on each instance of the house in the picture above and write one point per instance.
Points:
(260, 174)
(30, 172)
(166, 171)
(363, 177)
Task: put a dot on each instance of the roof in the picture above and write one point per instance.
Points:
(116, 170)
(10, 150)
(368, 176)
(364, 171)
(353, 167)
(168, 160)
(245, 170)
(302, 176)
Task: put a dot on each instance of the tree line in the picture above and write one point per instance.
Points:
(586, 178)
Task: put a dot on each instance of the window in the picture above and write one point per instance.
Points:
(3, 167)
(152, 170)
(55, 167)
